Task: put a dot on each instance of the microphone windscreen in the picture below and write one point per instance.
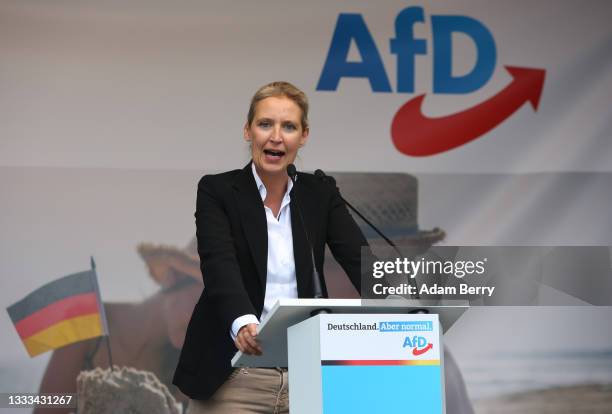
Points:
(291, 171)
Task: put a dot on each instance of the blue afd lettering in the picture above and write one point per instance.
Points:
(415, 342)
(405, 46)
(352, 27)
(486, 54)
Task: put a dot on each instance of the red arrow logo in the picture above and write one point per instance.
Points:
(418, 135)
(417, 352)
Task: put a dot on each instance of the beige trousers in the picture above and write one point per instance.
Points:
(246, 391)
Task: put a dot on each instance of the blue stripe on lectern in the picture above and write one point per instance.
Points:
(381, 389)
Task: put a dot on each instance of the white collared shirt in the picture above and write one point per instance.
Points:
(281, 281)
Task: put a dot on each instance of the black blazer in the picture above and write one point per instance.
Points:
(233, 247)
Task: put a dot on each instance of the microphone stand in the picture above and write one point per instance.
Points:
(318, 291)
(328, 179)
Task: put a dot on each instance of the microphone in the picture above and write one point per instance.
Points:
(292, 172)
(328, 179)
(318, 291)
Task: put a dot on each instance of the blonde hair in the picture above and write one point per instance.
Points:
(280, 88)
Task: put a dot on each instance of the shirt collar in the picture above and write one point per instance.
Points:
(262, 188)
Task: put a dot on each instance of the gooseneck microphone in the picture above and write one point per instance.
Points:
(318, 291)
(328, 179)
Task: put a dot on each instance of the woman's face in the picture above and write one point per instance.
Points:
(275, 134)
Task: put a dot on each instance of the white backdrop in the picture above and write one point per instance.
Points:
(166, 86)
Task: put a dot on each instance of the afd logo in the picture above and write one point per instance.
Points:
(419, 345)
(412, 132)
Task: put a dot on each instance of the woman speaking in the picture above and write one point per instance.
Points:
(254, 250)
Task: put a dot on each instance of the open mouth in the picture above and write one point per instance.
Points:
(273, 153)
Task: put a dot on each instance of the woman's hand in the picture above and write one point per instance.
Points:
(246, 340)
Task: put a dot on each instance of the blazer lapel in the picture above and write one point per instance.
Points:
(301, 249)
(253, 218)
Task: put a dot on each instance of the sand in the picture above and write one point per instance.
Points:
(124, 390)
(591, 399)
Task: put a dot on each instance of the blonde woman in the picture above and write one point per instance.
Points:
(254, 251)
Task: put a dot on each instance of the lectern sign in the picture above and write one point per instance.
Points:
(386, 363)
(408, 339)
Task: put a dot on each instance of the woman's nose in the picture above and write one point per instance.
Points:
(277, 135)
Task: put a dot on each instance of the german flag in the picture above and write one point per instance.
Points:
(59, 313)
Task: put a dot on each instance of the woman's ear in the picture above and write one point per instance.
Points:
(304, 137)
(246, 132)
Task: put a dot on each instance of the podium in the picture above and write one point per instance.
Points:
(359, 357)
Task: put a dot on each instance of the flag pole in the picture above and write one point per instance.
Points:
(102, 315)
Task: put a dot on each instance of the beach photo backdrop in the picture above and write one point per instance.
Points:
(111, 113)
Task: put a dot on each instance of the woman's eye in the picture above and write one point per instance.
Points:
(290, 127)
(264, 124)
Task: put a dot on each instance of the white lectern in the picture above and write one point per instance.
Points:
(372, 358)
